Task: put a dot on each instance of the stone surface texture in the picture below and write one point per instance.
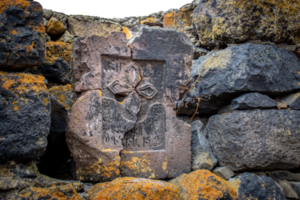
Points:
(134, 188)
(296, 187)
(24, 116)
(297, 52)
(284, 175)
(288, 189)
(63, 94)
(202, 157)
(292, 100)
(22, 34)
(225, 74)
(79, 27)
(128, 106)
(54, 192)
(221, 22)
(202, 184)
(54, 27)
(250, 186)
(224, 172)
(252, 101)
(258, 139)
(57, 66)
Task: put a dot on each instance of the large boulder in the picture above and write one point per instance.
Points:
(202, 184)
(224, 75)
(256, 140)
(224, 22)
(251, 186)
(22, 34)
(134, 188)
(24, 116)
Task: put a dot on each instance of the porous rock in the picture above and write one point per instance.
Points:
(57, 66)
(251, 186)
(129, 106)
(223, 75)
(25, 116)
(221, 22)
(54, 27)
(292, 100)
(258, 139)
(178, 19)
(202, 157)
(22, 34)
(252, 101)
(134, 188)
(202, 184)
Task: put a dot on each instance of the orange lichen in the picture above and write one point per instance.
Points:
(202, 184)
(4, 4)
(148, 20)
(63, 94)
(134, 188)
(55, 192)
(58, 49)
(127, 32)
(111, 168)
(178, 20)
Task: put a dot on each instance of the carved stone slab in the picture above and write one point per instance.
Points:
(124, 124)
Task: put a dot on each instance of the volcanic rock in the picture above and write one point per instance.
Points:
(252, 101)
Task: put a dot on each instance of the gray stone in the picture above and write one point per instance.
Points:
(225, 74)
(67, 37)
(288, 190)
(252, 101)
(284, 175)
(256, 140)
(287, 47)
(250, 186)
(202, 157)
(224, 172)
(296, 187)
(225, 110)
(292, 100)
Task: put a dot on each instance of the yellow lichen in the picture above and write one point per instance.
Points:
(127, 32)
(62, 94)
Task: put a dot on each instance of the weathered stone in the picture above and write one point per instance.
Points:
(130, 107)
(296, 187)
(47, 13)
(250, 186)
(25, 116)
(292, 100)
(22, 34)
(55, 192)
(80, 28)
(202, 157)
(67, 37)
(288, 189)
(225, 110)
(202, 184)
(151, 21)
(252, 101)
(178, 19)
(258, 139)
(222, 76)
(63, 94)
(221, 22)
(57, 66)
(297, 52)
(198, 52)
(287, 47)
(281, 104)
(55, 28)
(134, 188)
(224, 172)
(127, 32)
(284, 175)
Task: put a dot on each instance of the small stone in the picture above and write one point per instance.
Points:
(284, 175)
(297, 52)
(296, 187)
(134, 188)
(151, 21)
(224, 172)
(55, 28)
(204, 185)
(288, 189)
(292, 100)
(202, 157)
(281, 104)
(67, 37)
(252, 101)
(286, 47)
(250, 186)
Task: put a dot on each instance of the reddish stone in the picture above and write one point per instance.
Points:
(131, 110)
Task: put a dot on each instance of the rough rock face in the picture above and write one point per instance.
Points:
(82, 27)
(223, 22)
(202, 157)
(134, 188)
(24, 116)
(225, 74)
(250, 186)
(55, 27)
(129, 106)
(22, 34)
(55, 192)
(57, 66)
(252, 101)
(293, 101)
(258, 139)
(202, 184)
(63, 94)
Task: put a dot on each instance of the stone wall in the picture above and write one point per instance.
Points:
(204, 97)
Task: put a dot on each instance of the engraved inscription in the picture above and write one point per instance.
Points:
(150, 133)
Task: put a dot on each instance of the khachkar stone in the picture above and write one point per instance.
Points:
(123, 123)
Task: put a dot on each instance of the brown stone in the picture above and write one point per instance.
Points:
(91, 27)
(288, 190)
(54, 27)
(128, 106)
